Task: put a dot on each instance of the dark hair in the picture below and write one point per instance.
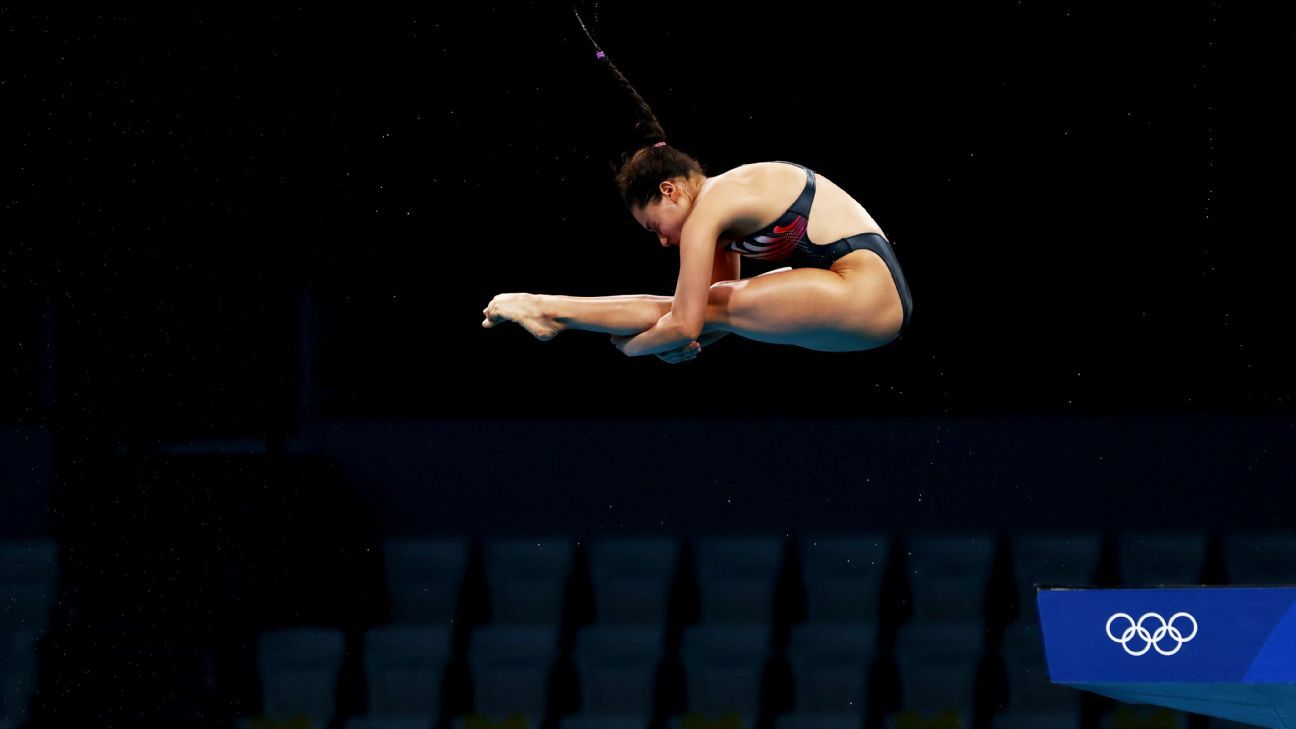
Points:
(640, 176)
(639, 173)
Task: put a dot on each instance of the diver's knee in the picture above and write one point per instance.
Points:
(722, 291)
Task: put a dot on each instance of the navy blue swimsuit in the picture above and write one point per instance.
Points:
(785, 240)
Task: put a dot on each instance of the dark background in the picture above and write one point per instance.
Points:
(243, 255)
(1088, 203)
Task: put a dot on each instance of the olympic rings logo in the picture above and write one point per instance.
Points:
(1152, 639)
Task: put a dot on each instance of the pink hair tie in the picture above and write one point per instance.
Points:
(660, 144)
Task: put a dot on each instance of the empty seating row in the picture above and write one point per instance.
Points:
(843, 576)
(726, 668)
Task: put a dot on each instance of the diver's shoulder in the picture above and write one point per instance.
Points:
(744, 178)
(736, 195)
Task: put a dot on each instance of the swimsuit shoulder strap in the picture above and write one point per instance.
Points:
(802, 205)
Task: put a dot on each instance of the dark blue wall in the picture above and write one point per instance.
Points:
(24, 481)
(605, 476)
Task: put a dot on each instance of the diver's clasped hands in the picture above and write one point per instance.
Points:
(675, 356)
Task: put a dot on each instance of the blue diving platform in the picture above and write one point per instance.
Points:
(1228, 652)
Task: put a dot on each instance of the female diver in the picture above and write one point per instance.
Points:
(845, 295)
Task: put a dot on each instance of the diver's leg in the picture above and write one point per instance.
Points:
(808, 307)
(545, 316)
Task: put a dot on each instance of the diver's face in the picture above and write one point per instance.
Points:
(665, 218)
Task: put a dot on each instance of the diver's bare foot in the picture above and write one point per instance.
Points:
(524, 309)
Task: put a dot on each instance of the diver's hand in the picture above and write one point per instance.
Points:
(683, 354)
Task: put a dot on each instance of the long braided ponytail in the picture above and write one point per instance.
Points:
(639, 172)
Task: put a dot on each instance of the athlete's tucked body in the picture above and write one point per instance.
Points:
(843, 289)
(837, 296)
